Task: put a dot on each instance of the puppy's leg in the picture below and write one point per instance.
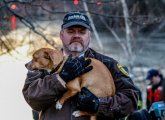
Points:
(93, 117)
(83, 113)
(73, 88)
(65, 97)
(80, 113)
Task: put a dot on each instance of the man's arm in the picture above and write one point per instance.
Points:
(41, 92)
(117, 106)
(147, 100)
(126, 98)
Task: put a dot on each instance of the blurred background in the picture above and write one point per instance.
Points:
(130, 31)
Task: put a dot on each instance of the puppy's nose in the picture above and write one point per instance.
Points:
(26, 65)
(29, 65)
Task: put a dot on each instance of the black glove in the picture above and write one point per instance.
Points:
(87, 101)
(74, 68)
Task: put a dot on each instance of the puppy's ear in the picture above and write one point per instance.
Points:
(56, 56)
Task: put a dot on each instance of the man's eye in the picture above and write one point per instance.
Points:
(70, 31)
(82, 32)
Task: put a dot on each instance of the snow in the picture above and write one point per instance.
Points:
(12, 77)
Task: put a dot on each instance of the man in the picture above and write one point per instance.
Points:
(154, 89)
(41, 91)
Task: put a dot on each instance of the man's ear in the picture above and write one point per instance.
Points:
(61, 34)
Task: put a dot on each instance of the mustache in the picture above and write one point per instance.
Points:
(75, 39)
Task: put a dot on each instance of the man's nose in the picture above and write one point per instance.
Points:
(77, 34)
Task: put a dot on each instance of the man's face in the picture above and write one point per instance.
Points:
(155, 80)
(75, 39)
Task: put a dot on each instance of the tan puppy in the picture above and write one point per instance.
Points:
(99, 80)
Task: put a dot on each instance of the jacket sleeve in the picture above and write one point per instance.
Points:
(125, 100)
(41, 92)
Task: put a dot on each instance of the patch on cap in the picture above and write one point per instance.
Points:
(76, 18)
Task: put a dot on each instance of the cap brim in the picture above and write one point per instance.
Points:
(75, 23)
(148, 78)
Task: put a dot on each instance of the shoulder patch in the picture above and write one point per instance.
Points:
(120, 67)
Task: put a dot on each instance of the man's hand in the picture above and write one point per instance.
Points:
(74, 68)
(87, 101)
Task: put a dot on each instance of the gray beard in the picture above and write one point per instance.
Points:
(76, 49)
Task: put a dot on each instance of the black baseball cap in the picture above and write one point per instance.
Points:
(151, 73)
(75, 18)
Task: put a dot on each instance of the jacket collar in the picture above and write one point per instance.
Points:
(89, 53)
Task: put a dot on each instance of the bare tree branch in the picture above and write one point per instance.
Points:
(93, 27)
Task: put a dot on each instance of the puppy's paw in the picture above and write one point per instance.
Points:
(76, 113)
(58, 105)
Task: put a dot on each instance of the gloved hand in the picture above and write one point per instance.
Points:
(74, 68)
(87, 101)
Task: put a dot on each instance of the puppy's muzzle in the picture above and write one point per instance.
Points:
(29, 65)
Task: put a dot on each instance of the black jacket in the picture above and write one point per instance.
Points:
(40, 94)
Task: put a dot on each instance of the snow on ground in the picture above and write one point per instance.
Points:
(12, 76)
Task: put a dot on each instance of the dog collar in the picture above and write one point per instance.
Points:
(60, 65)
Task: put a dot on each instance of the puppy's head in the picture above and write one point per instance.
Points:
(45, 58)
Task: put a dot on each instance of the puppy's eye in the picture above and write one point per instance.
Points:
(47, 57)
